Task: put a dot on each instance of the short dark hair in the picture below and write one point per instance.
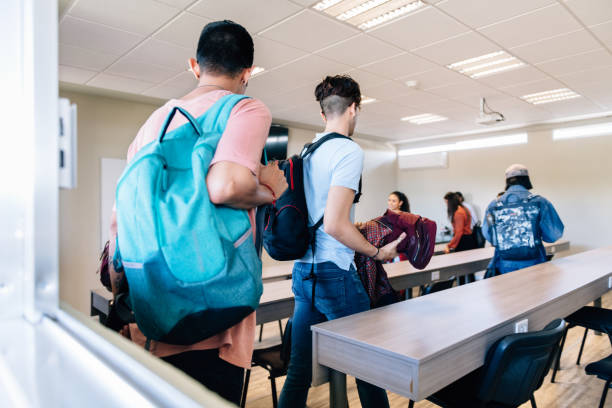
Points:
(519, 180)
(225, 48)
(402, 197)
(336, 93)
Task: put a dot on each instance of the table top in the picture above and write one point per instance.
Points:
(421, 329)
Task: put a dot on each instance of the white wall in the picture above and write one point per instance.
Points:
(573, 174)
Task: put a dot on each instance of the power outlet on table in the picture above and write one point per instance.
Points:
(435, 275)
(521, 326)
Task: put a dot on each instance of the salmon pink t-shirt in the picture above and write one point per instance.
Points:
(242, 142)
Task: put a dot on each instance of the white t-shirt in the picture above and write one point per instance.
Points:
(472, 214)
(337, 162)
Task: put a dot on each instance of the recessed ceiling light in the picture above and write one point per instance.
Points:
(367, 13)
(424, 118)
(257, 71)
(488, 64)
(550, 96)
(366, 99)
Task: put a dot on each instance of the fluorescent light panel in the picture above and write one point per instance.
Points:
(257, 71)
(600, 129)
(424, 118)
(366, 14)
(496, 141)
(366, 99)
(555, 95)
(488, 64)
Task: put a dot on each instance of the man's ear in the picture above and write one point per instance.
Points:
(323, 117)
(246, 74)
(194, 67)
(352, 109)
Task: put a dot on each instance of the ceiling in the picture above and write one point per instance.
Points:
(141, 47)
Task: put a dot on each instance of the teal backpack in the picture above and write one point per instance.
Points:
(191, 266)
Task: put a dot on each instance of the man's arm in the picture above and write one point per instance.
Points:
(550, 223)
(236, 186)
(337, 223)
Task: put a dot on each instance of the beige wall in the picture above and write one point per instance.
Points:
(106, 126)
(573, 174)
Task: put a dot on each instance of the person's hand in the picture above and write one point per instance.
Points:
(447, 250)
(389, 251)
(359, 225)
(274, 178)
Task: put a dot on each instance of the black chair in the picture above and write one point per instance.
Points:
(280, 328)
(275, 360)
(437, 287)
(602, 369)
(514, 368)
(589, 317)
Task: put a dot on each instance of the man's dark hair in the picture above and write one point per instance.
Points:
(402, 197)
(224, 48)
(336, 93)
(520, 180)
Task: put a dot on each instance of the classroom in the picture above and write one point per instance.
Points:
(306, 203)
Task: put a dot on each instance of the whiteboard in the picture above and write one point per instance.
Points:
(110, 171)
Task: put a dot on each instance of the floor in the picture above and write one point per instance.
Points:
(573, 388)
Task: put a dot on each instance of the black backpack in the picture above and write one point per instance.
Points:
(286, 234)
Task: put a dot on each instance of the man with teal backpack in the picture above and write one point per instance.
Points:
(183, 230)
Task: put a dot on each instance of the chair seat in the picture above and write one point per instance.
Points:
(601, 368)
(270, 359)
(594, 318)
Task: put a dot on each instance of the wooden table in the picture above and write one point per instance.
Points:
(277, 300)
(415, 348)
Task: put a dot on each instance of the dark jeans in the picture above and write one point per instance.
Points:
(207, 368)
(338, 293)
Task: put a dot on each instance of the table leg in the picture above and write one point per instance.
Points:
(337, 390)
(597, 303)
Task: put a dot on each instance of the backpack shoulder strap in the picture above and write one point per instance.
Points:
(311, 147)
(215, 118)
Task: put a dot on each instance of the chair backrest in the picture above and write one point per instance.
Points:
(516, 365)
(438, 286)
(286, 344)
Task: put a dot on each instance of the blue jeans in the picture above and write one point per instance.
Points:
(338, 293)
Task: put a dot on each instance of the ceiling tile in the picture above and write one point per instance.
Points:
(557, 47)
(587, 79)
(130, 67)
(519, 75)
(419, 100)
(435, 78)
(547, 84)
(591, 11)
(575, 63)
(399, 66)
(360, 50)
(96, 37)
(162, 54)
(603, 32)
(177, 3)
(136, 16)
(537, 25)
(424, 27)
(253, 15)
(75, 75)
(84, 58)
(183, 31)
(270, 54)
(465, 88)
(572, 107)
(305, 3)
(387, 90)
(185, 82)
(366, 79)
(459, 48)
(478, 13)
(309, 31)
(164, 92)
(306, 71)
(286, 100)
(118, 83)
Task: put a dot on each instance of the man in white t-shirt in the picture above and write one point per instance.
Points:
(326, 284)
(470, 208)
